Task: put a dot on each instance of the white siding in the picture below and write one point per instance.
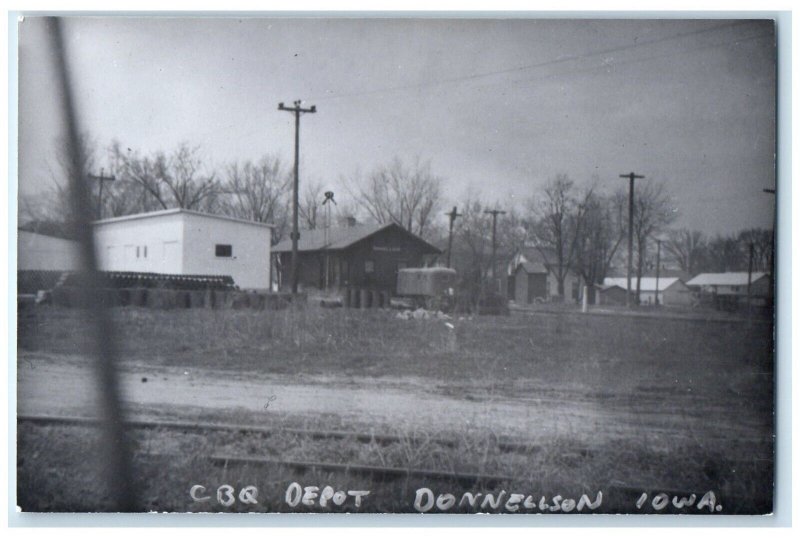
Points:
(44, 253)
(249, 263)
(139, 244)
(180, 242)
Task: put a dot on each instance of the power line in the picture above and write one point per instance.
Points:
(546, 63)
(615, 64)
(645, 58)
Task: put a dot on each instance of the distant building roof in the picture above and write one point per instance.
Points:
(542, 255)
(724, 279)
(648, 283)
(165, 212)
(340, 237)
(533, 268)
(59, 230)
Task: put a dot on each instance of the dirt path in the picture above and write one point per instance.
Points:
(64, 385)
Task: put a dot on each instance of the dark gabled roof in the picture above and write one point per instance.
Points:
(543, 255)
(59, 230)
(339, 238)
(532, 268)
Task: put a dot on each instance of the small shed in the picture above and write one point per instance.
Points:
(529, 282)
(611, 294)
(671, 290)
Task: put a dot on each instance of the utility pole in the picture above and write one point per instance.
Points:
(101, 179)
(658, 266)
(494, 213)
(295, 235)
(453, 215)
(328, 198)
(749, 274)
(631, 177)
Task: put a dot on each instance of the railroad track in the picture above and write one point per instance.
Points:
(387, 472)
(464, 479)
(503, 443)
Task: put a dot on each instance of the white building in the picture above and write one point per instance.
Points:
(733, 283)
(183, 242)
(38, 252)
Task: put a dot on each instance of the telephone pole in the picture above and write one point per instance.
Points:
(453, 215)
(658, 265)
(631, 177)
(325, 202)
(101, 179)
(749, 274)
(295, 235)
(494, 213)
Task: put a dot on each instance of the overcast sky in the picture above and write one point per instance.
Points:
(497, 106)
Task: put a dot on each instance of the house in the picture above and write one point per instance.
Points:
(671, 291)
(537, 259)
(732, 287)
(42, 258)
(355, 255)
(184, 242)
(41, 252)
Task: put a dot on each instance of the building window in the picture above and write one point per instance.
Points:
(145, 250)
(369, 266)
(223, 251)
(137, 251)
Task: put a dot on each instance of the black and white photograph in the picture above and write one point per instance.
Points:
(396, 264)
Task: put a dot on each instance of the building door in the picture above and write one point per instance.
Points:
(171, 257)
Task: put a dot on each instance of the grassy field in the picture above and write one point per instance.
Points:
(705, 375)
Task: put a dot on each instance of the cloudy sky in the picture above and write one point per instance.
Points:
(497, 106)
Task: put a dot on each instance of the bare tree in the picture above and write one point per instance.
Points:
(725, 253)
(408, 195)
(473, 236)
(763, 247)
(472, 244)
(687, 248)
(257, 191)
(51, 207)
(178, 179)
(652, 213)
(558, 216)
(600, 237)
(311, 200)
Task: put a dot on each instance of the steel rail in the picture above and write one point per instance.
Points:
(504, 444)
(372, 470)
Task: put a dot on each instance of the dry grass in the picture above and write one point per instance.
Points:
(604, 352)
(696, 376)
